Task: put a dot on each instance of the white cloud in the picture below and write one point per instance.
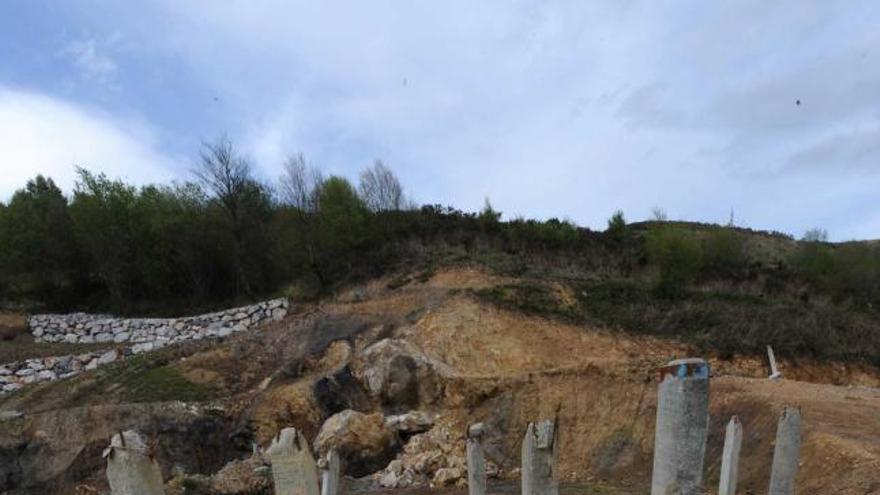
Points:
(94, 66)
(45, 135)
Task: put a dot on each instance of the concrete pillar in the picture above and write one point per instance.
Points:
(682, 427)
(774, 371)
(786, 453)
(330, 474)
(476, 462)
(132, 468)
(293, 467)
(538, 459)
(730, 457)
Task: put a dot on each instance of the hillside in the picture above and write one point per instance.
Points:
(482, 350)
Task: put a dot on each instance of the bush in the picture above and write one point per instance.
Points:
(678, 255)
(724, 253)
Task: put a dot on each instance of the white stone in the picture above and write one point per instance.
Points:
(25, 372)
(46, 375)
(107, 357)
(121, 337)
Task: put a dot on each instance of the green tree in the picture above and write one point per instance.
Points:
(343, 228)
(106, 219)
(246, 205)
(678, 255)
(37, 246)
(616, 230)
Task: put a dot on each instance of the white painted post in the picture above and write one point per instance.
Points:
(730, 457)
(132, 468)
(476, 462)
(293, 467)
(774, 371)
(786, 453)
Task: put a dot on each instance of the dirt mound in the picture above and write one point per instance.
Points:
(480, 363)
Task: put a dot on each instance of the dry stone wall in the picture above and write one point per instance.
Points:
(131, 336)
(150, 333)
(14, 376)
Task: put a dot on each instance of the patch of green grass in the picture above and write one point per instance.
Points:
(426, 274)
(161, 384)
(398, 282)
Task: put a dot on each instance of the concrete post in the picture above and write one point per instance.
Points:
(131, 466)
(786, 453)
(293, 467)
(774, 371)
(330, 474)
(476, 462)
(730, 457)
(538, 456)
(682, 427)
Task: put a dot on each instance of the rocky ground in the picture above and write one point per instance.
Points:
(391, 377)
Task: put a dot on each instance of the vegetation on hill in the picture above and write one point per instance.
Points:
(225, 236)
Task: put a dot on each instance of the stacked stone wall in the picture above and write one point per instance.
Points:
(149, 333)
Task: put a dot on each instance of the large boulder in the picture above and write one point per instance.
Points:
(398, 374)
(364, 442)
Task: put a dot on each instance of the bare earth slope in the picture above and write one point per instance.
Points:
(208, 401)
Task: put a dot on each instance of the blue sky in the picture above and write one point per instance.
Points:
(569, 109)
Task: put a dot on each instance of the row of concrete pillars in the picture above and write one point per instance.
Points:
(679, 447)
(682, 428)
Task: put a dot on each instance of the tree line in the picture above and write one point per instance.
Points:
(220, 236)
(224, 236)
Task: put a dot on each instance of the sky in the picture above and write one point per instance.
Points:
(765, 111)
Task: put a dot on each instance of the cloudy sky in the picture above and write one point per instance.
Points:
(563, 108)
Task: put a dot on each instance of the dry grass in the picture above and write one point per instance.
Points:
(17, 344)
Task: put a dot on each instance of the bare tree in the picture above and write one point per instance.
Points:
(227, 177)
(659, 214)
(380, 189)
(300, 183)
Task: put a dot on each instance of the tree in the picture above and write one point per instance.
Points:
(105, 220)
(343, 227)
(37, 239)
(659, 214)
(380, 189)
(678, 254)
(300, 183)
(616, 230)
(228, 179)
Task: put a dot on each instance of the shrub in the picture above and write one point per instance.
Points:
(678, 255)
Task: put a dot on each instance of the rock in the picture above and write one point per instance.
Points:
(11, 387)
(447, 477)
(107, 357)
(46, 375)
(121, 337)
(104, 337)
(411, 422)
(364, 443)
(5, 371)
(25, 372)
(10, 415)
(398, 374)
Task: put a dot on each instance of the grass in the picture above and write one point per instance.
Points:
(23, 347)
(725, 322)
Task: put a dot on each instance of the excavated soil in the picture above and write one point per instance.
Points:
(493, 365)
